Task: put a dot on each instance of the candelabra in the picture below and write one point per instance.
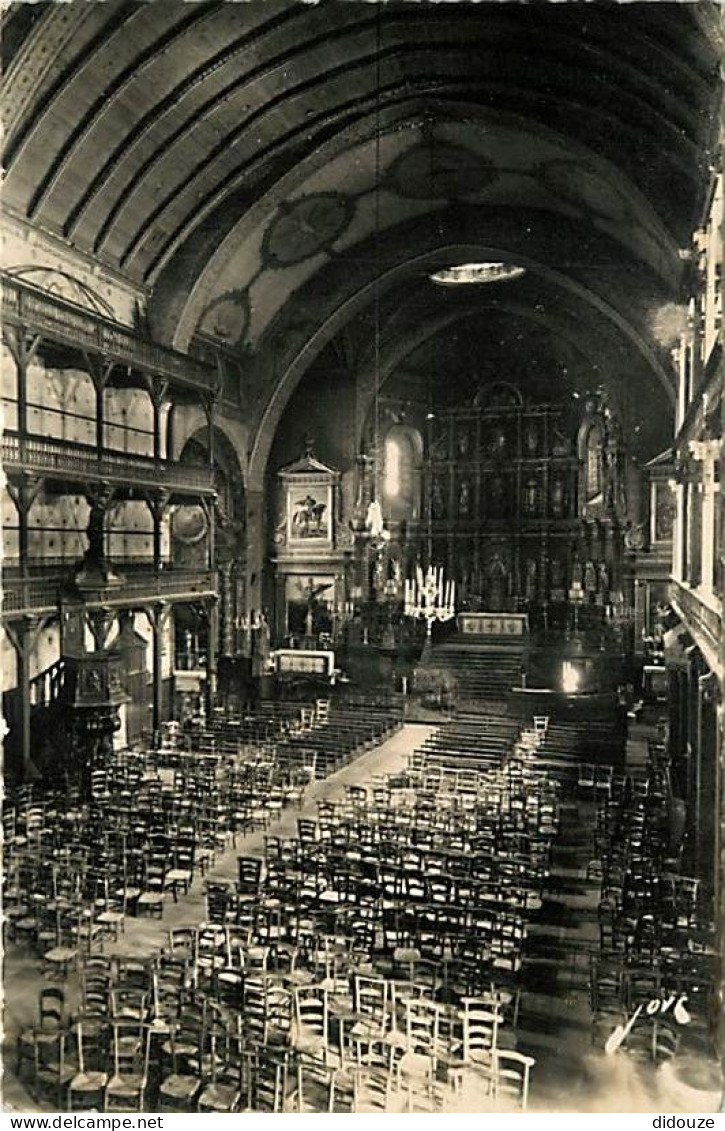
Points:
(431, 598)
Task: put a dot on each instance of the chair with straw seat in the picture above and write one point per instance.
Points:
(511, 1077)
(87, 1087)
(126, 1089)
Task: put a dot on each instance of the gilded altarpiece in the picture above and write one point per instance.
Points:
(500, 499)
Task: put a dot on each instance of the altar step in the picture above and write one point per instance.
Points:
(480, 671)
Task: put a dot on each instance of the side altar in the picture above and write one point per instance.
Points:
(311, 554)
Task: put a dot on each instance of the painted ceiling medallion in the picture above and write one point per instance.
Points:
(304, 227)
(440, 170)
(227, 317)
(471, 273)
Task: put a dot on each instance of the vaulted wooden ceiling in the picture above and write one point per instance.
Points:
(224, 155)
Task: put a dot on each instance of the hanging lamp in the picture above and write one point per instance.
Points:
(375, 529)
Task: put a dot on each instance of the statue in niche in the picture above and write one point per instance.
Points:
(438, 505)
(497, 441)
(609, 481)
(531, 439)
(497, 584)
(590, 577)
(531, 573)
(530, 496)
(463, 444)
(464, 499)
(577, 573)
(604, 580)
(557, 497)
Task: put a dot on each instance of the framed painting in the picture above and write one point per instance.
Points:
(309, 514)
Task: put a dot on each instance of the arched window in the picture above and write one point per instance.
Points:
(394, 466)
(401, 475)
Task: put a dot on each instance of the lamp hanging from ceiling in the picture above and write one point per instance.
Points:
(375, 530)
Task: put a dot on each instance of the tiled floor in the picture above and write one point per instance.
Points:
(554, 1026)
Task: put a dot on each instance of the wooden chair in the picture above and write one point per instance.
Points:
(585, 780)
(126, 1089)
(51, 1022)
(415, 1070)
(249, 877)
(53, 1069)
(179, 1088)
(321, 1088)
(224, 1093)
(128, 1004)
(511, 1075)
(151, 899)
(267, 1076)
(111, 914)
(181, 873)
(479, 1025)
(373, 1077)
(311, 1023)
(57, 945)
(322, 711)
(89, 1082)
(212, 954)
(372, 1009)
(266, 1012)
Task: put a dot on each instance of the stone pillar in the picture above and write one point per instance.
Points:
(212, 607)
(157, 616)
(255, 548)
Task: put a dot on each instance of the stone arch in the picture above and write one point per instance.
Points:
(318, 335)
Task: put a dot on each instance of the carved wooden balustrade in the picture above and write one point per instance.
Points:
(65, 459)
(63, 321)
(33, 596)
(703, 620)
